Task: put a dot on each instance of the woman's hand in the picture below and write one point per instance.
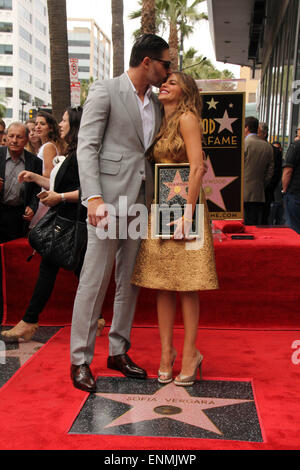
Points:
(27, 177)
(183, 228)
(50, 198)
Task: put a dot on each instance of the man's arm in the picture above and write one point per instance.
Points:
(291, 160)
(90, 138)
(286, 178)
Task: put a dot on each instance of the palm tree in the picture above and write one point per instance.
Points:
(84, 89)
(200, 67)
(179, 17)
(148, 17)
(60, 75)
(117, 37)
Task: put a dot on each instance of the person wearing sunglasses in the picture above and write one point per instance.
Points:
(121, 118)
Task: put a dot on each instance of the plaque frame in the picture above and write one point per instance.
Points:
(160, 171)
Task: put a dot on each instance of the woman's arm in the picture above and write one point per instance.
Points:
(191, 134)
(49, 153)
(53, 198)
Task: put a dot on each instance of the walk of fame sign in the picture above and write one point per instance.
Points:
(210, 409)
(170, 199)
(223, 129)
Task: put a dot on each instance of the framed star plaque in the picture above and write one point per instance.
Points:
(170, 199)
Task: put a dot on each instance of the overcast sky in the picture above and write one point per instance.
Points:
(100, 11)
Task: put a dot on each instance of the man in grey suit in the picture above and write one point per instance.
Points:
(120, 120)
(258, 172)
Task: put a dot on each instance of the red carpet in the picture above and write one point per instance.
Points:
(259, 285)
(39, 404)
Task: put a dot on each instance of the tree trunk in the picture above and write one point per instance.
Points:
(148, 17)
(173, 43)
(59, 58)
(117, 37)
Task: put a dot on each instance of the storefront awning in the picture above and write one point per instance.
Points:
(236, 27)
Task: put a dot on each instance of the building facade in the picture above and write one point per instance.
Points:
(91, 47)
(24, 57)
(264, 35)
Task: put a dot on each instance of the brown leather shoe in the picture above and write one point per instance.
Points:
(124, 364)
(82, 378)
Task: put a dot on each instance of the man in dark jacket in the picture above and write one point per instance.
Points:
(291, 186)
(263, 132)
(18, 202)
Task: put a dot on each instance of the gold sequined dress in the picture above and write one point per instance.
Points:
(167, 264)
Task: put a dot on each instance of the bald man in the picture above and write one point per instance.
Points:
(18, 202)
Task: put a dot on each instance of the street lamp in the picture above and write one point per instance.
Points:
(24, 103)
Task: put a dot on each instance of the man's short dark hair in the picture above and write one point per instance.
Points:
(252, 124)
(147, 45)
(2, 123)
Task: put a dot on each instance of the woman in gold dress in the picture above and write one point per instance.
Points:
(168, 265)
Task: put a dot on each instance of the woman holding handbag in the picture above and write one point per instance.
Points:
(62, 192)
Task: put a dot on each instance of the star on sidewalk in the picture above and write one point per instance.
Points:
(169, 402)
(23, 352)
(213, 184)
(177, 187)
(225, 122)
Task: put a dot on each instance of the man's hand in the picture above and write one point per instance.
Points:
(1, 183)
(26, 177)
(28, 215)
(97, 212)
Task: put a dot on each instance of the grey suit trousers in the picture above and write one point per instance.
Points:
(100, 257)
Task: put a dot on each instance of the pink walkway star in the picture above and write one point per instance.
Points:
(181, 406)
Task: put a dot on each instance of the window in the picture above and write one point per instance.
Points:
(6, 92)
(5, 4)
(79, 43)
(39, 84)
(6, 27)
(25, 76)
(25, 55)
(83, 69)
(25, 34)
(39, 45)
(24, 96)
(6, 49)
(40, 27)
(5, 70)
(8, 113)
(40, 65)
(25, 14)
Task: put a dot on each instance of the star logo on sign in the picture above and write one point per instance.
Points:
(212, 104)
(225, 122)
(177, 187)
(213, 184)
(169, 402)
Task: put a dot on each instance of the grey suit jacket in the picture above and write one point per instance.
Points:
(111, 152)
(258, 168)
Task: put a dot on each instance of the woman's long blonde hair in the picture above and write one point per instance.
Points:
(190, 101)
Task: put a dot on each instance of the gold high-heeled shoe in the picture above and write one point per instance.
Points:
(188, 380)
(166, 377)
(21, 330)
(101, 325)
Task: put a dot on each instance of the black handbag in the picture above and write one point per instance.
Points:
(60, 240)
